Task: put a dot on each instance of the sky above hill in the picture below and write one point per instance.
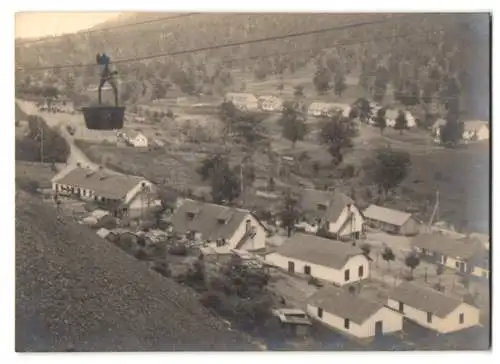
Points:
(38, 24)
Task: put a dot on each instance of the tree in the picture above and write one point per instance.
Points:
(401, 122)
(298, 91)
(294, 126)
(337, 134)
(451, 132)
(366, 248)
(289, 213)
(381, 120)
(321, 80)
(168, 197)
(380, 84)
(224, 182)
(388, 256)
(339, 83)
(412, 261)
(365, 110)
(388, 169)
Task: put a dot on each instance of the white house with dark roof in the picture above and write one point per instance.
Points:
(476, 130)
(219, 226)
(117, 191)
(432, 309)
(243, 101)
(136, 138)
(353, 315)
(270, 103)
(466, 255)
(325, 259)
(390, 220)
(332, 211)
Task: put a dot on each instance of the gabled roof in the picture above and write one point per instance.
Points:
(105, 184)
(424, 299)
(334, 201)
(463, 248)
(384, 214)
(212, 221)
(321, 251)
(242, 97)
(473, 125)
(341, 303)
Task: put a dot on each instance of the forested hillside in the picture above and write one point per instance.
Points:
(425, 57)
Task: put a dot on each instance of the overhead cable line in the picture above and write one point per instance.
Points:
(220, 46)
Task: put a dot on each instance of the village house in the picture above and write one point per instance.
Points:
(115, 192)
(391, 221)
(392, 114)
(243, 101)
(351, 314)
(328, 109)
(476, 130)
(219, 226)
(325, 259)
(432, 309)
(135, 138)
(270, 103)
(465, 255)
(333, 212)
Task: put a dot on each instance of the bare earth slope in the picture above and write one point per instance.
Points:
(77, 291)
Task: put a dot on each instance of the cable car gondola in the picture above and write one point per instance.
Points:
(105, 117)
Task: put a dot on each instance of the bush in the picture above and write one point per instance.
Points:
(178, 249)
(162, 268)
(210, 299)
(141, 255)
(28, 184)
(348, 171)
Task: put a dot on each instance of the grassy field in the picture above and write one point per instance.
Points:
(41, 173)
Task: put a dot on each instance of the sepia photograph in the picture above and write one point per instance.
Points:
(252, 181)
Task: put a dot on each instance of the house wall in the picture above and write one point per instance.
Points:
(480, 272)
(140, 141)
(349, 228)
(256, 243)
(483, 133)
(391, 322)
(448, 324)
(410, 227)
(134, 191)
(325, 273)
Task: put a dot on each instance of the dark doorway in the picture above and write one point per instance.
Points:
(379, 328)
(291, 267)
(307, 270)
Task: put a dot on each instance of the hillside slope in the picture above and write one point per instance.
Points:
(451, 44)
(75, 290)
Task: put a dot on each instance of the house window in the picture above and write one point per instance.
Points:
(346, 275)
(429, 317)
(321, 207)
(320, 312)
(307, 269)
(190, 216)
(457, 265)
(461, 318)
(401, 307)
(346, 324)
(360, 271)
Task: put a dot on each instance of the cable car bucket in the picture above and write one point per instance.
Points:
(104, 117)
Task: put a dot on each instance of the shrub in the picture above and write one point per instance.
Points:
(162, 268)
(28, 184)
(178, 249)
(210, 299)
(141, 255)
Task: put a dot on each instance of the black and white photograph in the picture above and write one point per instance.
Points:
(252, 181)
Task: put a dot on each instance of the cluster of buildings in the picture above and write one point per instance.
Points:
(341, 266)
(474, 130)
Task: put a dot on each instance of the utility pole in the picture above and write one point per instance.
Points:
(435, 211)
(41, 141)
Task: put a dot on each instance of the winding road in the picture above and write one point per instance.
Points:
(59, 121)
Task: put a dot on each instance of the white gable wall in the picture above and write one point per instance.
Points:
(392, 322)
(256, 243)
(329, 274)
(134, 191)
(442, 325)
(349, 228)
